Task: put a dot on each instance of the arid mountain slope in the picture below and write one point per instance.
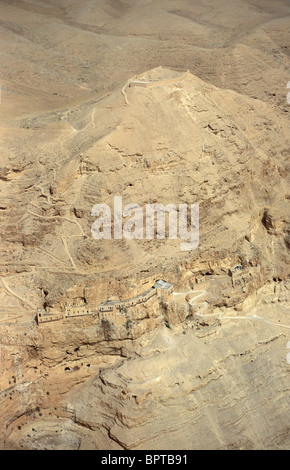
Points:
(207, 368)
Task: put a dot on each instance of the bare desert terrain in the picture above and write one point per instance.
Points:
(160, 102)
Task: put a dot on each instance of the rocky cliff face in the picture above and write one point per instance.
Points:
(215, 382)
(207, 367)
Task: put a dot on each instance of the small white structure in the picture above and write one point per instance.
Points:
(72, 311)
(163, 286)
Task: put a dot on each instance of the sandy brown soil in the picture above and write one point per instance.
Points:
(207, 369)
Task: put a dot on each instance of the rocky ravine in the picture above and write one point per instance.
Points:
(209, 382)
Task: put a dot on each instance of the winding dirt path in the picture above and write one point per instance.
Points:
(220, 315)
